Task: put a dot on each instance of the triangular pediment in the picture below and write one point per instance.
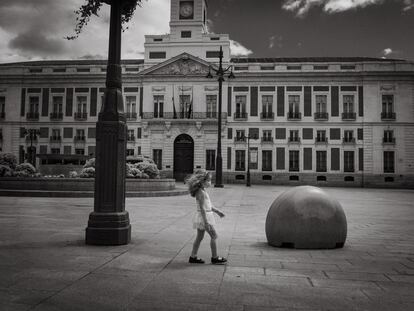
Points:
(183, 64)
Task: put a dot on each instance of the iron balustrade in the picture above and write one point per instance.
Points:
(54, 116)
(267, 116)
(32, 116)
(55, 139)
(347, 140)
(79, 139)
(131, 138)
(294, 139)
(387, 115)
(80, 116)
(321, 140)
(239, 139)
(294, 115)
(131, 115)
(267, 140)
(348, 115)
(386, 140)
(240, 116)
(321, 116)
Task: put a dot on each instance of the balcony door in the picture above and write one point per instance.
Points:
(183, 156)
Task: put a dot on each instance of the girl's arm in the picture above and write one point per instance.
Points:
(218, 212)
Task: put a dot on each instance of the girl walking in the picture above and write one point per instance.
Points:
(204, 218)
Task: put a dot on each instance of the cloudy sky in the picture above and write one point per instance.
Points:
(35, 29)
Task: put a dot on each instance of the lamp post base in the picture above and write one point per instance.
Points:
(108, 229)
(218, 186)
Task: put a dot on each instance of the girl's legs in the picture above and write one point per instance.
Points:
(197, 241)
(213, 246)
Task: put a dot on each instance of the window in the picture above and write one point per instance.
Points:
(240, 106)
(321, 161)
(212, 54)
(130, 135)
(293, 135)
(33, 104)
(139, 150)
(56, 133)
(131, 102)
(80, 134)
(267, 105)
(254, 158)
(267, 135)
(157, 157)
(388, 136)
(387, 106)
(79, 151)
(2, 106)
(321, 135)
(294, 67)
(185, 34)
(266, 160)
(349, 161)
(57, 102)
(349, 136)
(389, 162)
(55, 150)
(130, 152)
(81, 104)
(186, 107)
(158, 106)
(210, 160)
(240, 135)
(294, 160)
(240, 160)
(348, 101)
(320, 103)
(293, 103)
(211, 103)
(157, 55)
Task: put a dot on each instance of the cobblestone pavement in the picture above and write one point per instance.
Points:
(45, 265)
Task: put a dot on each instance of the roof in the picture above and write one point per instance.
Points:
(79, 62)
(242, 60)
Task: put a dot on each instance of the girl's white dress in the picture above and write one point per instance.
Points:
(198, 222)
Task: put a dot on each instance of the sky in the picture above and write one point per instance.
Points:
(35, 29)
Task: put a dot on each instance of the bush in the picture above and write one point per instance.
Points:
(25, 170)
(88, 172)
(90, 163)
(73, 174)
(8, 159)
(149, 168)
(5, 171)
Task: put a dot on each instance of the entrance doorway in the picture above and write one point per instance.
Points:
(183, 156)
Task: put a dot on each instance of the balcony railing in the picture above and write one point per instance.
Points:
(79, 139)
(240, 116)
(294, 169)
(387, 115)
(55, 139)
(239, 139)
(267, 140)
(184, 115)
(56, 116)
(388, 141)
(347, 140)
(321, 168)
(240, 168)
(33, 139)
(321, 140)
(80, 116)
(294, 115)
(321, 116)
(131, 115)
(349, 169)
(294, 140)
(267, 116)
(32, 116)
(131, 138)
(348, 115)
(2, 115)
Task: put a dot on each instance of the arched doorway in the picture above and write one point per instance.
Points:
(183, 156)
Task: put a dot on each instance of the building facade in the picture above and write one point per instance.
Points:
(323, 121)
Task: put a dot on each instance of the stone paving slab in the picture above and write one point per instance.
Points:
(45, 265)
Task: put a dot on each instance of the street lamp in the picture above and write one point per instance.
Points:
(31, 134)
(109, 222)
(220, 73)
(248, 137)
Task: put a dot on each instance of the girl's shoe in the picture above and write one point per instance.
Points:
(218, 260)
(195, 260)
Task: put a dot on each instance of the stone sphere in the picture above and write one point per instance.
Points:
(306, 217)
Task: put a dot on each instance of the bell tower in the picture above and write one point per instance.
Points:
(188, 18)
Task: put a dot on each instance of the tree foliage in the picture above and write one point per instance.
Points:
(92, 7)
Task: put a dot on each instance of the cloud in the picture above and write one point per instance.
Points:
(301, 7)
(32, 42)
(275, 41)
(387, 51)
(236, 49)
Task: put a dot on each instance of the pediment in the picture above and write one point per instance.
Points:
(184, 64)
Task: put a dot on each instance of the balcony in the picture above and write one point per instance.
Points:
(387, 116)
(240, 116)
(321, 140)
(56, 116)
(131, 116)
(31, 139)
(2, 115)
(348, 141)
(183, 115)
(388, 140)
(267, 116)
(240, 140)
(294, 116)
(294, 140)
(348, 116)
(131, 138)
(321, 116)
(267, 140)
(80, 116)
(32, 116)
(55, 139)
(79, 139)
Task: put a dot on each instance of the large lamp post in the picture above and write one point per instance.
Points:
(220, 73)
(248, 137)
(109, 222)
(31, 134)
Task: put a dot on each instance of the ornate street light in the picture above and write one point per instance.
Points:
(109, 222)
(220, 73)
(31, 134)
(248, 137)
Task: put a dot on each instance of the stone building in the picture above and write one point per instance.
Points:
(323, 121)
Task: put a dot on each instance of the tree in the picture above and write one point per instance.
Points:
(92, 7)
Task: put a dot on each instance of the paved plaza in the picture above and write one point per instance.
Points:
(45, 265)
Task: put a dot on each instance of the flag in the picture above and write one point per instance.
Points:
(175, 112)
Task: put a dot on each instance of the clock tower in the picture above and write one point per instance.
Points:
(188, 15)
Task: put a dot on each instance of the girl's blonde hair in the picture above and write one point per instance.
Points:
(196, 181)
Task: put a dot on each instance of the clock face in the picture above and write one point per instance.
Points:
(186, 9)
